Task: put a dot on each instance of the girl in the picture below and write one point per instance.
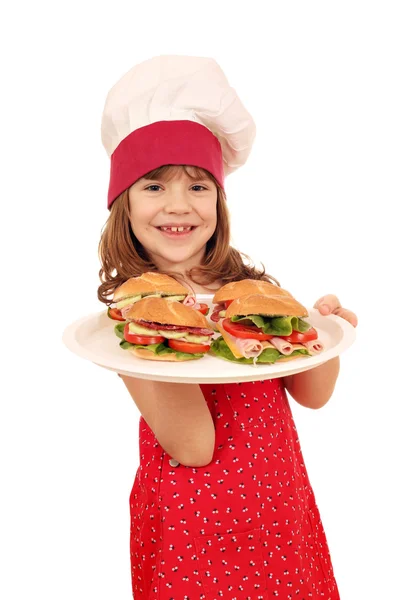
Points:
(221, 505)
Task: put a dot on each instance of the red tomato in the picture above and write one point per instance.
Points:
(181, 346)
(227, 303)
(299, 338)
(115, 313)
(143, 340)
(203, 309)
(245, 331)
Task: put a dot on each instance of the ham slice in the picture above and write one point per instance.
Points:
(283, 346)
(191, 301)
(249, 348)
(315, 346)
(243, 347)
(125, 310)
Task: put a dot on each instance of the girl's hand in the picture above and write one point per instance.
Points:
(330, 304)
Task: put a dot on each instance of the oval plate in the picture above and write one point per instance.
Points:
(93, 338)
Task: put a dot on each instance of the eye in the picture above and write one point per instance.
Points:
(198, 186)
(151, 187)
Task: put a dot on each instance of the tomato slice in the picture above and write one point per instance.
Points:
(115, 313)
(228, 303)
(181, 346)
(203, 309)
(299, 338)
(245, 331)
(143, 340)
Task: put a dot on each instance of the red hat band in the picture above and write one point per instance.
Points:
(163, 143)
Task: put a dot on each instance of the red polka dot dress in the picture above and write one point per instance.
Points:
(244, 527)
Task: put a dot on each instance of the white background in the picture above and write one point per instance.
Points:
(315, 202)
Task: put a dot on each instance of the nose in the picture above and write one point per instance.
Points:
(178, 202)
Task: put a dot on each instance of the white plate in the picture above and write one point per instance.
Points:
(93, 338)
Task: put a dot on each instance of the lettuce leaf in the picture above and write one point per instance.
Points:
(270, 355)
(276, 325)
(119, 329)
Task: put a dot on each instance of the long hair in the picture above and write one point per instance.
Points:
(122, 256)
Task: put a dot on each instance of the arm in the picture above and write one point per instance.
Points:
(314, 387)
(179, 417)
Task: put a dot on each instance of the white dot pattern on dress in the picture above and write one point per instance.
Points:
(246, 526)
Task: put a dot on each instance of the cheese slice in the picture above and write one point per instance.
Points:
(230, 341)
(267, 344)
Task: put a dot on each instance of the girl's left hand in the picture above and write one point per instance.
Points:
(330, 304)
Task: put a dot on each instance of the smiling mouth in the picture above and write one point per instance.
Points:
(176, 229)
(177, 232)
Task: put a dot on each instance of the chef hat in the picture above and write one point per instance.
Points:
(174, 110)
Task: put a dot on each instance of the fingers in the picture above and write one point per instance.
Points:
(330, 304)
(327, 304)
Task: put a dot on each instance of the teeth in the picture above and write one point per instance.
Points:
(175, 229)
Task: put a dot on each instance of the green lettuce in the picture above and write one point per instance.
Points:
(119, 330)
(276, 325)
(270, 355)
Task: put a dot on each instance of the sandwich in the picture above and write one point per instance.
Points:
(157, 329)
(150, 284)
(229, 292)
(265, 329)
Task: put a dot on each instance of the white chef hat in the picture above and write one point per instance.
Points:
(174, 110)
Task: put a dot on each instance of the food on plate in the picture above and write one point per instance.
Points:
(148, 285)
(229, 292)
(265, 329)
(156, 329)
(190, 300)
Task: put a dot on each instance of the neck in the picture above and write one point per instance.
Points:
(181, 268)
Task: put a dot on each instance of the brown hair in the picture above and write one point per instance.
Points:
(122, 256)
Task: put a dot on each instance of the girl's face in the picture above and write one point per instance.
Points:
(157, 205)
